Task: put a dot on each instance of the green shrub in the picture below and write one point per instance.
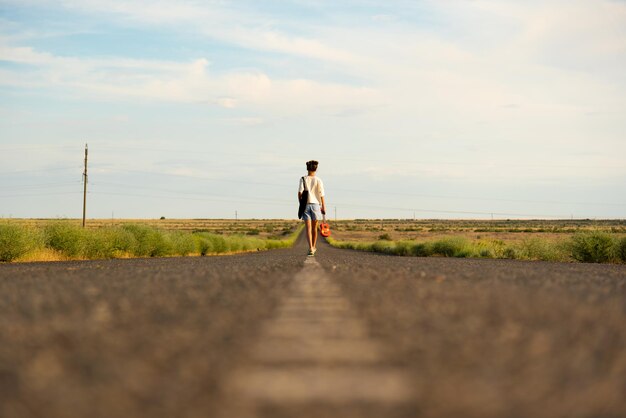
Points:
(621, 249)
(250, 244)
(271, 244)
(204, 245)
(486, 253)
(97, 245)
(150, 241)
(496, 246)
(233, 244)
(541, 249)
(122, 241)
(385, 247)
(384, 237)
(212, 243)
(107, 243)
(404, 248)
(218, 243)
(452, 247)
(421, 249)
(512, 253)
(593, 247)
(66, 238)
(183, 243)
(16, 241)
(161, 245)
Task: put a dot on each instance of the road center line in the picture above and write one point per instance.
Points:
(315, 350)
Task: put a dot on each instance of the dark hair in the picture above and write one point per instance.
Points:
(311, 165)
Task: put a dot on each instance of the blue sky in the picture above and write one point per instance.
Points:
(200, 108)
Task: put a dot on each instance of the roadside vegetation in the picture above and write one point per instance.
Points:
(586, 246)
(584, 240)
(66, 240)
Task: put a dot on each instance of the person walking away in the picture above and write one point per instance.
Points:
(316, 206)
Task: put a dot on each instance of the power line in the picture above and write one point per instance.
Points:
(252, 199)
(358, 159)
(39, 194)
(36, 147)
(39, 170)
(479, 198)
(217, 179)
(458, 212)
(194, 193)
(378, 192)
(39, 186)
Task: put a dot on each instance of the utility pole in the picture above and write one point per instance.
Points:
(335, 213)
(236, 216)
(85, 188)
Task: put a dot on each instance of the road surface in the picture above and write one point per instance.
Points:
(345, 334)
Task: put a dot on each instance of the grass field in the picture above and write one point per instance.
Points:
(560, 240)
(262, 228)
(65, 239)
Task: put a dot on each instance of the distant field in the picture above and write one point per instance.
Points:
(506, 230)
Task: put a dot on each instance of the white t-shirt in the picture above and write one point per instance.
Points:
(315, 186)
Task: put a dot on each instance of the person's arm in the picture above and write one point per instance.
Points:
(321, 192)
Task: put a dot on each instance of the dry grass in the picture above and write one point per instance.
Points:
(506, 230)
(42, 254)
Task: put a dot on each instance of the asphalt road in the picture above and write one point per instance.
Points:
(347, 334)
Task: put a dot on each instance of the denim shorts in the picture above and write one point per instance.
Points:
(312, 212)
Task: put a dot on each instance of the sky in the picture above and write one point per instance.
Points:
(415, 109)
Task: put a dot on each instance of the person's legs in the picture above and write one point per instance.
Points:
(314, 234)
(309, 234)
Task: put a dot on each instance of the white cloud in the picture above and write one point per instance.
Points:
(227, 102)
(192, 82)
(247, 121)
